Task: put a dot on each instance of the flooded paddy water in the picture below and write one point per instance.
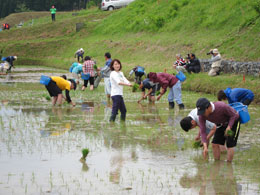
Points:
(40, 146)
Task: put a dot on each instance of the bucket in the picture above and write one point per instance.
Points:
(242, 111)
(45, 80)
(85, 76)
(181, 76)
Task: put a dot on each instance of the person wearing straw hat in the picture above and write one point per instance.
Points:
(216, 62)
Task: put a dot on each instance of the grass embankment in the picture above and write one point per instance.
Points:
(144, 33)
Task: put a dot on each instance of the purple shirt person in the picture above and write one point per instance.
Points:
(226, 118)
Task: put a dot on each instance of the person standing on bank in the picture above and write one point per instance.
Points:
(226, 118)
(57, 85)
(216, 62)
(53, 12)
(117, 80)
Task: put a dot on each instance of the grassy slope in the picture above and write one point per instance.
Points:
(145, 33)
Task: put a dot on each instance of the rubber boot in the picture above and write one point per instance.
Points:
(181, 106)
(171, 105)
(122, 117)
(112, 118)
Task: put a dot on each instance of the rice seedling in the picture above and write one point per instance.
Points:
(196, 144)
(84, 152)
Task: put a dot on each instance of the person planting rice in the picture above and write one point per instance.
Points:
(139, 72)
(79, 54)
(57, 85)
(117, 80)
(88, 68)
(226, 118)
(9, 62)
(245, 96)
(152, 89)
(171, 81)
(192, 121)
(76, 71)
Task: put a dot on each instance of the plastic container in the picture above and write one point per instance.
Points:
(85, 76)
(45, 80)
(181, 76)
(242, 111)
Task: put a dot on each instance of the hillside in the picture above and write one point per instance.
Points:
(144, 33)
(148, 33)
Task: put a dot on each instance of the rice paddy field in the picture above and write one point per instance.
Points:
(40, 145)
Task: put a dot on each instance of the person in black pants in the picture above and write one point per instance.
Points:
(193, 64)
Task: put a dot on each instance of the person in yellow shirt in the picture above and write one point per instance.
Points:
(57, 85)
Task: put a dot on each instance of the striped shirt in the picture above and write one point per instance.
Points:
(180, 62)
(88, 67)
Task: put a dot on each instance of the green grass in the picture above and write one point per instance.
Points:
(145, 33)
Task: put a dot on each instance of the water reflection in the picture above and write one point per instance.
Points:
(212, 178)
(58, 122)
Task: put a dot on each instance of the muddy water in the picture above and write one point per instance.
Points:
(40, 148)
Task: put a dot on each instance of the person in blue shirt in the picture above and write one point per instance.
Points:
(242, 95)
(10, 60)
(76, 71)
(139, 72)
(105, 73)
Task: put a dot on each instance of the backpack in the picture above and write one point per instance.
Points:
(140, 69)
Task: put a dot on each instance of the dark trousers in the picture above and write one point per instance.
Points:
(195, 69)
(53, 17)
(138, 77)
(118, 104)
(80, 56)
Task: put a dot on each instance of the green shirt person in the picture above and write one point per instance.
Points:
(53, 12)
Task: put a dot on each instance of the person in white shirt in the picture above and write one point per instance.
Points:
(192, 121)
(117, 80)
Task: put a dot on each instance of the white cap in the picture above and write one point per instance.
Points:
(15, 57)
(215, 51)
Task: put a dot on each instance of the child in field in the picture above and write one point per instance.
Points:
(244, 96)
(152, 89)
(192, 121)
(139, 72)
(117, 80)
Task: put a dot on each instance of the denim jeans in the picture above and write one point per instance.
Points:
(175, 93)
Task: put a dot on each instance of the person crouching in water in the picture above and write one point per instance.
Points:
(117, 80)
(57, 85)
(152, 89)
(226, 119)
(168, 80)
